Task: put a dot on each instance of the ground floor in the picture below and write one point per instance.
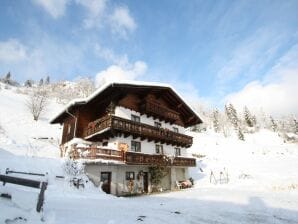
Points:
(120, 179)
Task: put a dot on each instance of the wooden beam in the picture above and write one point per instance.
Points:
(19, 181)
(189, 119)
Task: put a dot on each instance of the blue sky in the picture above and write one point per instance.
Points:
(212, 51)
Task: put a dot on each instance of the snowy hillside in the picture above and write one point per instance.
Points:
(259, 181)
(262, 162)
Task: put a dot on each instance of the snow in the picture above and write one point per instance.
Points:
(262, 187)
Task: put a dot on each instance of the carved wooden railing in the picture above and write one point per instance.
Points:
(96, 153)
(155, 109)
(130, 158)
(138, 130)
(98, 125)
(135, 158)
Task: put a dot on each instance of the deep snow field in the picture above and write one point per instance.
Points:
(262, 184)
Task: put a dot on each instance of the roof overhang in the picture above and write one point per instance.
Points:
(194, 116)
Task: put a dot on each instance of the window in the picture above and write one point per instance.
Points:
(135, 146)
(159, 149)
(157, 124)
(177, 152)
(135, 118)
(175, 130)
(105, 144)
(130, 175)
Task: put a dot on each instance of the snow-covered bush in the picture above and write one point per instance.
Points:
(73, 168)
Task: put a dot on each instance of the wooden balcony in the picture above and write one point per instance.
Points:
(144, 131)
(135, 158)
(96, 153)
(155, 109)
(131, 158)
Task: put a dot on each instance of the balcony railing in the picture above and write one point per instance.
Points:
(158, 110)
(96, 153)
(144, 131)
(131, 158)
(134, 158)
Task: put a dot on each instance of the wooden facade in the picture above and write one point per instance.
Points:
(95, 120)
(116, 125)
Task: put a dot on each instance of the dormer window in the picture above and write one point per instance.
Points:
(175, 129)
(135, 118)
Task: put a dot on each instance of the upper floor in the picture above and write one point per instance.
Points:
(149, 112)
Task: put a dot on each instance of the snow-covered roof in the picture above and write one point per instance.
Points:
(80, 101)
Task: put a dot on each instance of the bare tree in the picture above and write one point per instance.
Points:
(84, 87)
(37, 102)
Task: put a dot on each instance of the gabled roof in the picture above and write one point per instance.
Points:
(129, 84)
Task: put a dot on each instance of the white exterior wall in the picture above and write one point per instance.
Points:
(126, 113)
(147, 147)
(119, 184)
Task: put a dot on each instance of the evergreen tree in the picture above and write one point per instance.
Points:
(215, 120)
(28, 83)
(249, 119)
(240, 135)
(273, 124)
(47, 82)
(7, 77)
(41, 82)
(232, 115)
(233, 119)
(295, 126)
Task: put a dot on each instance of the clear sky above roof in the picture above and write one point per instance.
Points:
(212, 51)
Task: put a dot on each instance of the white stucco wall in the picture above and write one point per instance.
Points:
(119, 184)
(146, 147)
(126, 113)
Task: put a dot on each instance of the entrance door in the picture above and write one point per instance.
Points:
(105, 178)
(145, 181)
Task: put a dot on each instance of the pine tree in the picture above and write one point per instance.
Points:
(273, 124)
(295, 126)
(248, 117)
(7, 77)
(232, 115)
(28, 83)
(41, 82)
(47, 82)
(215, 120)
(240, 135)
(233, 119)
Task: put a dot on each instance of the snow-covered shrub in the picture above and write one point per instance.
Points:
(73, 168)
